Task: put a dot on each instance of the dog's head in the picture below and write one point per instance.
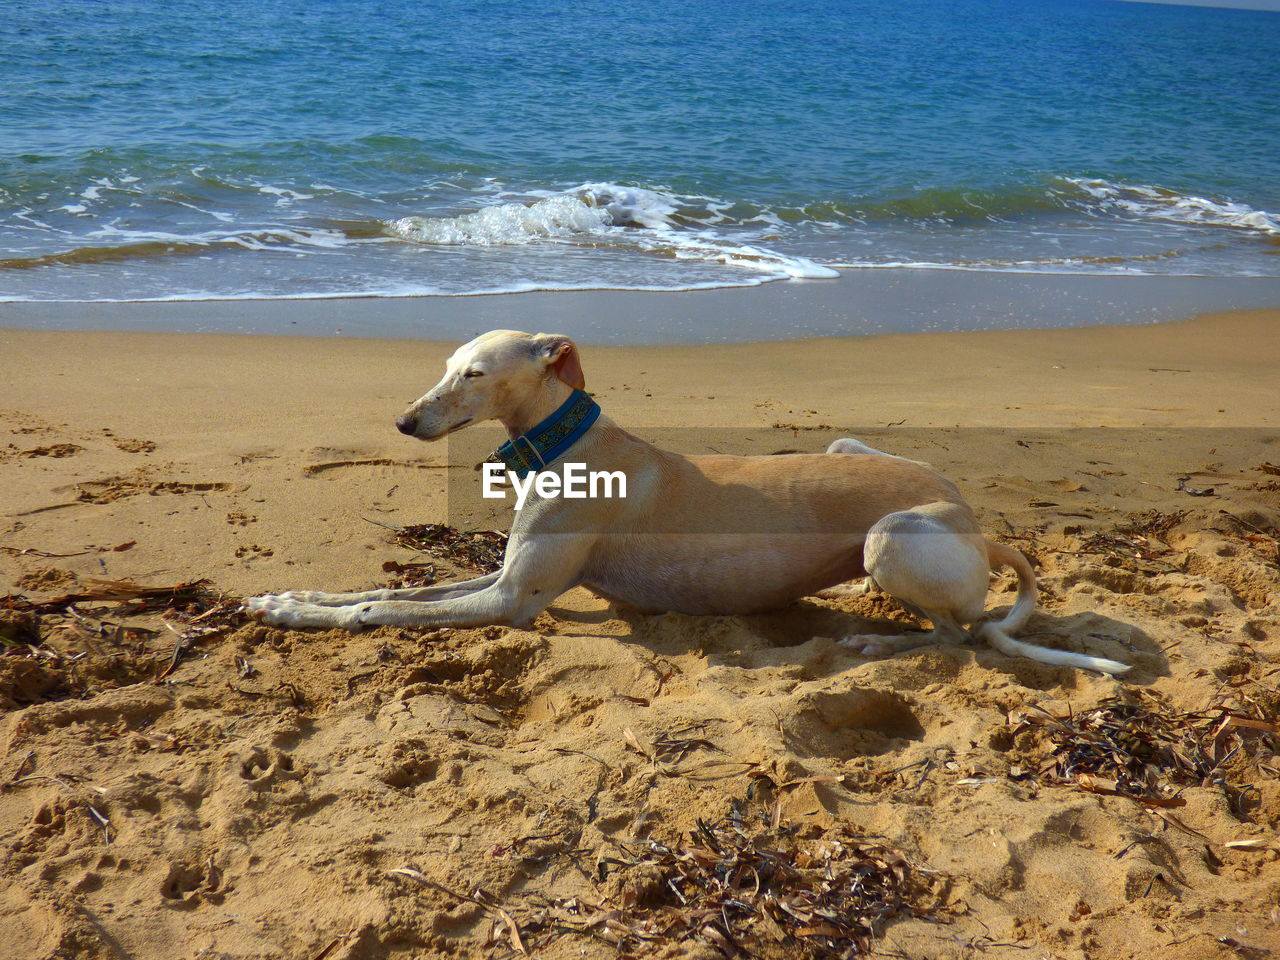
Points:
(496, 376)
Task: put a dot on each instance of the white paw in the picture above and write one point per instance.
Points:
(256, 605)
(272, 608)
(283, 610)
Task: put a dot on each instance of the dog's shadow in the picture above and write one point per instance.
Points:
(765, 639)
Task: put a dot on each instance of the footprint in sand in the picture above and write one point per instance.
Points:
(128, 444)
(26, 423)
(404, 764)
(46, 580)
(266, 765)
(844, 724)
(135, 445)
(185, 884)
(55, 450)
(315, 469)
(110, 489)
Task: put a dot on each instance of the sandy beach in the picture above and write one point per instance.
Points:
(255, 794)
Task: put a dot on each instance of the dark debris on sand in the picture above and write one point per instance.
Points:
(124, 632)
(1138, 747)
(112, 647)
(745, 888)
(481, 550)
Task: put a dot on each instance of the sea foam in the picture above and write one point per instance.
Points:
(603, 214)
(1157, 203)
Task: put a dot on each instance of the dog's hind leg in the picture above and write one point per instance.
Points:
(926, 560)
(932, 560)
(849, 445)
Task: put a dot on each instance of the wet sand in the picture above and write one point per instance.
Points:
(860, 302)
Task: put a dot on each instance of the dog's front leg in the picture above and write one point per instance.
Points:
(495, 604)
(538, 569)
(441, 591)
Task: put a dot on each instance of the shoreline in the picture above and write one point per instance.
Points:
(859, 302)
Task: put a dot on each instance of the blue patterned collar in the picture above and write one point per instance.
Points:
(538, 447)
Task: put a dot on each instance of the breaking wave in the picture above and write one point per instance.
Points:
(604, 215)
(1100, 199)
(1156, 203)
(117, 246)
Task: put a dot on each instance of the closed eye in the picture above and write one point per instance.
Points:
(473, 373)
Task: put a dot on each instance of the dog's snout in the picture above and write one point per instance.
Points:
(407, 423)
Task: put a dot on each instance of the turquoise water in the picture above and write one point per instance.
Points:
(194, 149)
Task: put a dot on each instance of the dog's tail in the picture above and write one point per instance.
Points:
(997, 632)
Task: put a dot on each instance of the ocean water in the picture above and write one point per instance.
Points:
(306, 148)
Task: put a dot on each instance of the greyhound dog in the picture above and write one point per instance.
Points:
(700, 535)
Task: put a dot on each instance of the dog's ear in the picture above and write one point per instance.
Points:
(560, 354)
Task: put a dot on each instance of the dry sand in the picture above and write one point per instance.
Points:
(259, 795)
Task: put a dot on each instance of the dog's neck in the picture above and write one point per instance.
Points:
(535, 408)
(551, 438)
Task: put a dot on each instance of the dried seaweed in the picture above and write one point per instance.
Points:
(192, 603)
(134, 597)
(1194, 491)
(409, 574)
(480, 898)
(666, 750)
(747, 889)
(94, 616)
(1138, 748)
(1152, 524)
(481, 550)
(1137, 543)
